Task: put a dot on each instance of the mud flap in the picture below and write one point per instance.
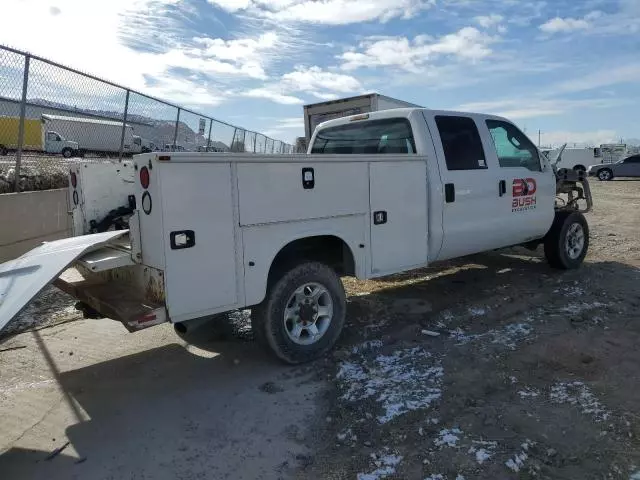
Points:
(23, 278)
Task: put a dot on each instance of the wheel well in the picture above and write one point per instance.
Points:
(327, 249)
(579, 167)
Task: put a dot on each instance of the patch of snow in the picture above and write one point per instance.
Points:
(477, 311)
(635, 476)
(517, 461)
(386, 465)
(482, 455)
(347, 435)
(367, 346)
(571, 290)
(582, 307)
(461, 337)
(483, 450)
(513, 379)
(578, 394)
(404, 381)
(528, 392)
(459, 477)
(435, 476)
(511, 334)
(431, 333)
(448, 437)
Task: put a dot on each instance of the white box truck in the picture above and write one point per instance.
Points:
(36, 138)
(316, 113)
(380, 193)
(95, 135)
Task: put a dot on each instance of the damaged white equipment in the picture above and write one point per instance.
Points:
(184, 236)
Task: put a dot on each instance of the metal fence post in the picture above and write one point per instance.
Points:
(175, 134)
(23, 112)
(255, 139)
(233, 140)
(124, 123)
(209, 137)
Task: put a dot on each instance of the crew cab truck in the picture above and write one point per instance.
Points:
(377, 194)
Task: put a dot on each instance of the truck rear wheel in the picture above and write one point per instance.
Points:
(3, 150)
(567, 241)
(303, 314)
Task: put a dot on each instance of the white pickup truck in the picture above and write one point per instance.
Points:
(377, 194)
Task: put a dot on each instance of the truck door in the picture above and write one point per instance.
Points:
(53, 143)
(525, 182)
(470, 218)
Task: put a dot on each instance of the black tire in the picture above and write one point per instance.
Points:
(268, 319)
(67, 152)
(605, 174)
(3, 150)
(560, 252)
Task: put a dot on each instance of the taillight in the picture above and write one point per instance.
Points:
(74, 180)
(144, 177)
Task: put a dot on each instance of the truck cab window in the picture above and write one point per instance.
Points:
(513, 147)
(461, 143)
(390, 135)
(53, 137)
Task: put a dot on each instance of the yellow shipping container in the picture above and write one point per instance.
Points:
(9, 127)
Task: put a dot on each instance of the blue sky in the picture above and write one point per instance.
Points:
(567, 67)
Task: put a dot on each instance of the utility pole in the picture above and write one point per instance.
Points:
(539, 138)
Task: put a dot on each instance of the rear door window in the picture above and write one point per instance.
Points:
(461, 143)
(389, 135)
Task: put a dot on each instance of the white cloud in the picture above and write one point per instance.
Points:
(578, 139)
(314, 79)
(531, 107)
(488, 21)
(603, 77)
(325, 95)
(309, 80)
(558, 24)
(274, 94)
(285, 126)
(467, 44)
(328, 12)
(74, 36)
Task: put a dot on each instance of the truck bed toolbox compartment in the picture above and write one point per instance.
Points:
(277, 192)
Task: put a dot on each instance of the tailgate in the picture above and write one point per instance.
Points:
(21, 279)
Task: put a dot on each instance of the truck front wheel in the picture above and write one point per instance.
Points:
(303, 314)
(567, 241)
(67, 152)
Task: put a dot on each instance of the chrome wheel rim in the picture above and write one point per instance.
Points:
(308, 314)
(604, 175)
(574, 241)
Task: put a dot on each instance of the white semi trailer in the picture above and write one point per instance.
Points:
(379, 193)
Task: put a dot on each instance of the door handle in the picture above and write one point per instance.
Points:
(449, 193)
(502, 187)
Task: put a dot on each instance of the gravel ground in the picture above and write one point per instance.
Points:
(489, 367)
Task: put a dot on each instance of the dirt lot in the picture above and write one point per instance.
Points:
(489, 368)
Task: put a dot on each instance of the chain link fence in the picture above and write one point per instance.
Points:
(50, 115)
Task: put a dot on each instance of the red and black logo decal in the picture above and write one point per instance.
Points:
(524, 194)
